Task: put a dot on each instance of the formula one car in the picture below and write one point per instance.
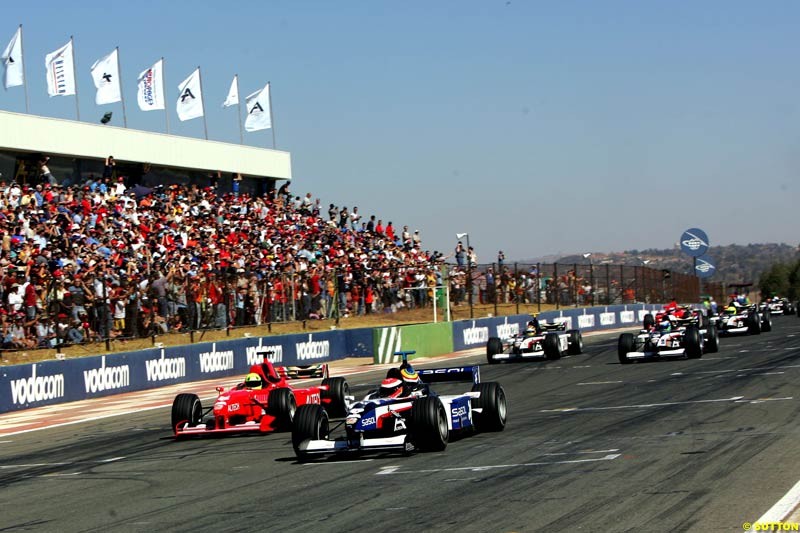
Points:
(264, 402)
(669, 336)
(745, 320)
(550, 340)
(408, 421)
(780, 306)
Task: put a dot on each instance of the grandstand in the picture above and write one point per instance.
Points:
(78, 151)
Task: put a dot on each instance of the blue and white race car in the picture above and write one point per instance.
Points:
(403, 415)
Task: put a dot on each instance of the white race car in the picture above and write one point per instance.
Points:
(683, 338)
(743, 320)
(551, 341)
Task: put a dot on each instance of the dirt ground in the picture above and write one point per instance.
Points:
(414, 316)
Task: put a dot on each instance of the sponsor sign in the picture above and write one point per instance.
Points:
(106, 377)
(255, 354)
(165, 368)
(476, 335)
(705, 267)
(215, 360)
(627, 317)
(694, 242)
(585, 321)
(608, 319)
(313, 350)
(36, 388)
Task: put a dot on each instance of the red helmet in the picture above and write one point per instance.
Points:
(391, 388)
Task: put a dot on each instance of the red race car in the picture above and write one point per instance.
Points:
(262, 403)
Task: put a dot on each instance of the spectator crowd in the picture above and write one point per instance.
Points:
(98, 260)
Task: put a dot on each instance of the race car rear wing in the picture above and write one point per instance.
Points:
(441, 375)
(319, 370)
(455, 373)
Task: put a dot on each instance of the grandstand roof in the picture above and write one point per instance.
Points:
(55, 136)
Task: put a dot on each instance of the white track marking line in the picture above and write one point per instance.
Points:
(390, 470)
(31, 465)
(583, 452)
(599, 382)
(761, 400)
(640, 406)
(783, 507)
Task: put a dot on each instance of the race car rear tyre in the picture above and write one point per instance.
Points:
(753, 324)
(552, 350)
(492, 403)
(282, 405)
(649, 321)
(575, 342)
(337, 393)
(712, 339)
(428, 424)
(310, 423)
(493, 346)
(693, 343)
(186, 408)
(766, 322)
(625, 345)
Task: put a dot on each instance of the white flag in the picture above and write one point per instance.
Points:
(258, 117)
(151, 88)
(233, 93)
(12, 60)
(105, 73)
(190, 100)
(60, 71)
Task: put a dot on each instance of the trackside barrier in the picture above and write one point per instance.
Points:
(475, 333)
(426, 339)
(51, 382)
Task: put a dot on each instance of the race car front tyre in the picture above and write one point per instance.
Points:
(493, 346)
(552, 350)
(310, 423)
(492, 405)
(428, 424)
(649, 321)
(624, 346)
(766, 322)
(693, 343)
(282, 405)
(712, 339)
(186, 408)
(575, 342)
(754, 324)
(337, 393)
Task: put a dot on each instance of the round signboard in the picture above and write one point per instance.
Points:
(705, 267)
(694, 242)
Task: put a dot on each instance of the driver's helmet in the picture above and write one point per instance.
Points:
(531, 327)
(409, 376)
(665, 326)
(730, 310)
(390, 388)
(253, 381)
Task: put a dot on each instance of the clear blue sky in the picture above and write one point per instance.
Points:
(537, 127)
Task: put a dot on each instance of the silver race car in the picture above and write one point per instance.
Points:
(550, 340)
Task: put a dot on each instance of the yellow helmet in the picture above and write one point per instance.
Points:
(253, 381)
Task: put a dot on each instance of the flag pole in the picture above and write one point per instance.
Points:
(121, 95)
(202, 101)
(163, 86)
(271, 116)
(24, 76)
(75, 79)
(239, 107)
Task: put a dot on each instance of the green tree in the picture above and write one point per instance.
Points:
(775, 280)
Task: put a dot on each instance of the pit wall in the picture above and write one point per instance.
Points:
(53, 382)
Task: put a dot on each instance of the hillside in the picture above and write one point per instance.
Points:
(735, 263)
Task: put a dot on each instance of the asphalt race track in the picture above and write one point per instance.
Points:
(591, 445)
